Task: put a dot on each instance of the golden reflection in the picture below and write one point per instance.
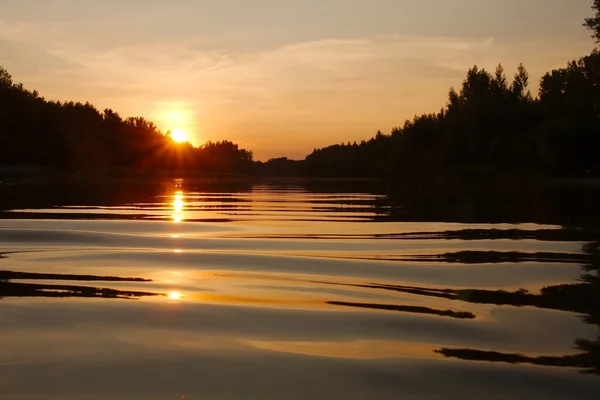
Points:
(178, 203)
(174, 296)
(358, 349)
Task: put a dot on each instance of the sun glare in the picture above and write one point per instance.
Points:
(179, 135)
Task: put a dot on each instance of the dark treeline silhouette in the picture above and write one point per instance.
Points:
(77, 137)
(491, 126)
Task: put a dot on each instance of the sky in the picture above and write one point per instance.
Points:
(279, 77)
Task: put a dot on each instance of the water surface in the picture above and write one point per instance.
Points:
(191, 290)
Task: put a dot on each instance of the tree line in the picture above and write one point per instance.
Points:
(491, 126)
(69, 136)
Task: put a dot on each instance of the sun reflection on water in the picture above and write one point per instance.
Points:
(178, 204)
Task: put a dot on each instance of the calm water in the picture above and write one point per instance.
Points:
(180, 290)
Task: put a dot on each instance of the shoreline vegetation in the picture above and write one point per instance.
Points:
(491, 130)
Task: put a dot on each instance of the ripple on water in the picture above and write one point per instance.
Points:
(289, 292)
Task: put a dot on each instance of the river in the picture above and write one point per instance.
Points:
(295, 290)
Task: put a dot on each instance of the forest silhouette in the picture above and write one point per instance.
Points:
(492, 126)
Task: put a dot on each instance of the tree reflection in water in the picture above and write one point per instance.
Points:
(9, 288)
(582, 298)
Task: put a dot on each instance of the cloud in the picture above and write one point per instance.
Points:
(187, 62)
(29, 32)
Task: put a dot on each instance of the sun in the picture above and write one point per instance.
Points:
(179, 135)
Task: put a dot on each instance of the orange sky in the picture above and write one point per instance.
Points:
(279, 77)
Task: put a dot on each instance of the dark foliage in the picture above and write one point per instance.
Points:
(593, 23)
(77, 137)
(488, 128)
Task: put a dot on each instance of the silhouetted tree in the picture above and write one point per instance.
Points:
(73, 136)
(568, 138)
(593, 23)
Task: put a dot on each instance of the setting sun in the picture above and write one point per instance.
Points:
(179, 135)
